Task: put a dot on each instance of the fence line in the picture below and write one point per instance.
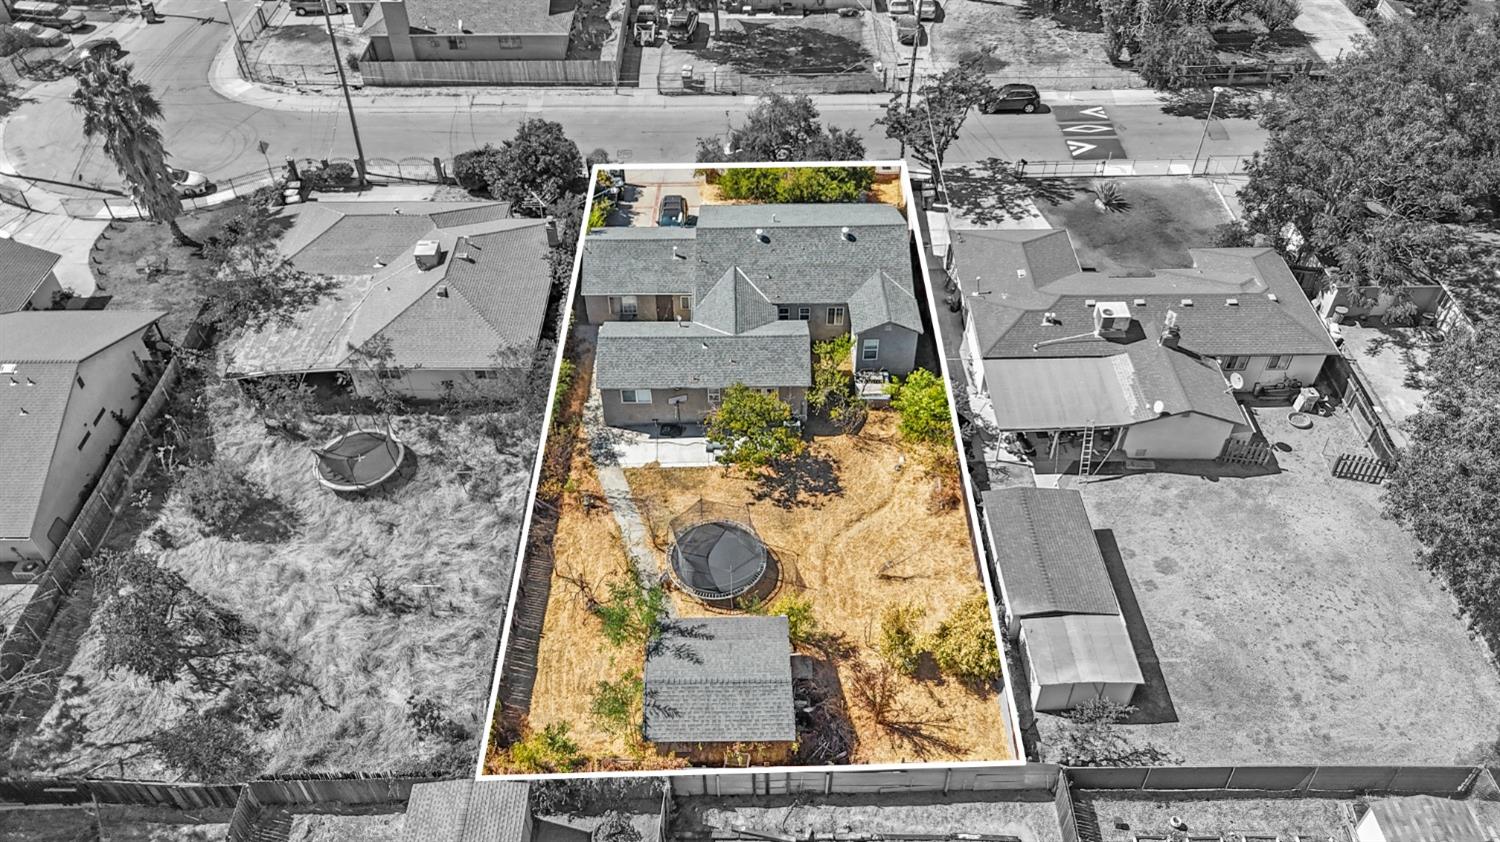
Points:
(1207, 165)
(126, 208)
(1370, 416)
(688, 79)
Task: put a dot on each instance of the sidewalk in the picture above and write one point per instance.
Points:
(1331, 29)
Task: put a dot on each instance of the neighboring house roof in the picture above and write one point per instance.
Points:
(1081, 649)
(487, 298)
(1024, 274)
(22, 270)
(1046, 553)
(495, 17)
(1424, 818)
(720, 680)
(1064, 393)
(468, 811)
(40, 352)
(686, 355)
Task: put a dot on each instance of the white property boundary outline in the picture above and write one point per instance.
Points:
(976, 539)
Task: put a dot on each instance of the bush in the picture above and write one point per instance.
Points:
(796, 184)
(922, 401)
(1403, 313)
(336, 174)
(802, 626)
(565, 374)
(599, 213)
(1276, 15)
(632, 615)
(615, 828)
(547, 750)
(964, 644)
(217, 495)
(469, 168)
(616, 706)
(208, 749)
(13, 40)
(900, 645)
(1166, 51)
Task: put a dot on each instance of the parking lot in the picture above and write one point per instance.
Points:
(1279, 619)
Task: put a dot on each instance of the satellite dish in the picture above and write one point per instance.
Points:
(1237, 381)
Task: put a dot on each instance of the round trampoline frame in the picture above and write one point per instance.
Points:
(677, 562)
(338, 484)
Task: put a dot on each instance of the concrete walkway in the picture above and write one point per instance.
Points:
(1331, 29)
(633, 529)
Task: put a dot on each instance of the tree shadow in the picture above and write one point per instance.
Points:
(1234, 103)
(1153, 701)
(796, 481)
(991, 192)
(1076, 16)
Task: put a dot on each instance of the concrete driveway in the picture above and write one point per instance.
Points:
(645, 190)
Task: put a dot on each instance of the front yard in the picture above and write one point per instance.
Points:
(1165, 217)
(1285, 605)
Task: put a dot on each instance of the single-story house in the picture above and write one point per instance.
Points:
(433, 299)
(685, 312)
(1058, 598)
(719, 680)
(27, 277)
(1419, 818)
(70, 382)
(464, 31)
(1151, 365)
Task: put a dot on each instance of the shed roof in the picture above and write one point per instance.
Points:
(468, 811)
(719, 680)
(1081, 649)
(671, 355)
(1425, 818)
(1046, 552)
(22, 270)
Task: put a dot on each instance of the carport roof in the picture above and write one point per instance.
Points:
(1046, 552)
(1081, 649)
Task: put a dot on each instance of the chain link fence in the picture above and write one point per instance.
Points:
(690, 79)
(1207, 165)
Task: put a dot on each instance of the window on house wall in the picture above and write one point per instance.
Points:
(1234, 363)
(835, 315)
(715, 397)
(685, 303)
(447, 385)
(78, 380)
(1279, 363)
(84, 440)
(388, 373)
(870, 350)
(456, 43)
(784, 313)
(804, 313)
(486, 374)
(629, 306)
(99, 417)
(636, 396)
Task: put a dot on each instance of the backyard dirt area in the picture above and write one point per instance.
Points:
(1122, 815)
(1166, 216)
(854, 535)
(1030, 817)
(299, 52)
(1023, 46)
(1284, 604)
(378, 601)
(770, 45)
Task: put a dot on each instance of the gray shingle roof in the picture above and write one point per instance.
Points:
(45, 347)
(496, 17)
(1081, 649)
(1046, 553)
(881, 300)
(641, 261)
(1424, 818)
(468, 811)
(668, 355)
(734, 305)
(489, 294)
(719, 680)
(22, 270)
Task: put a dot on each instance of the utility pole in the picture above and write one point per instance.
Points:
(1193, 173)
(911, 78)
(338, 64)
(239, 46)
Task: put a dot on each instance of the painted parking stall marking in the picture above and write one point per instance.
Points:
(1088, 132)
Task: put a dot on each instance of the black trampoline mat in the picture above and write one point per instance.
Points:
(719, 558)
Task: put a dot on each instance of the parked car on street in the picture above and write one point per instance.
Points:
(190, 183)
(908, 29)
(928, 10)
(55, 15)
(95, 46)
(674, 212)
(1021, 98)
(900, 7)
(46, 36)
(314, 7)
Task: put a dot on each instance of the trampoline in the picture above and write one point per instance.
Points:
(718, 559)
(359, 460)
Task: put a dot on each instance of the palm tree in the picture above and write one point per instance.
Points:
(123, 113)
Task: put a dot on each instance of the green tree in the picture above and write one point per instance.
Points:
(802, 626)
(599, 212)
(964, 644)
(800, 185)
(536, 168)
(1167, 56)
(1443, 484)
(933, 120)
(1090, 737)
(632, 615)
(1379, 168)
(782, 128)
(471, 169)
(150, 623)
(548, 750)
(209, 750)
(615, 827)
(123, 113)
(752, 429)
(218, 495)
(900, 644)
(617, 706)
(257, 285)
(922, 401)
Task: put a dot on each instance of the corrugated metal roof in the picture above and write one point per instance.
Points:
(1081, 649)
(1046, 552)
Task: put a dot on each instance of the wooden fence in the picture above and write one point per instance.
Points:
(1031, 777)
(1360, 467)
(145, 793)
(1369, 415)
(1311, 781)
(1245, 452)
(521, 72)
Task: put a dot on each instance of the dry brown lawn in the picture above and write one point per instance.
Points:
(853, 553)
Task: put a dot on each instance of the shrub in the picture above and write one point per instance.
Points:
(565, 374)
(802, 626)
(1403, 313)
(336, 174)
(752, 429)
(1276, 15)
(469, 167)
(615, 828)
(351, 61)
(1166, 51)
(964, 644)
(797, 184)
(1231, 235)
(13, 40)
(900, 644)
(217, 495)
(631, 615)
(599, 213)
(208, 749)
(616, 706)
(922, 401)
(547, 750)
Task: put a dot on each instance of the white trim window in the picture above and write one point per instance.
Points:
(783, 314)
(804, 314)
(635, 396)
(629, 306)
(835, 315)
(1234, 363)
(388, 373)
(869, 350)
(1279, 363)
(715, 397)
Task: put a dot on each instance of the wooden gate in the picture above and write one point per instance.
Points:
(1246, 452)
(1360, 467)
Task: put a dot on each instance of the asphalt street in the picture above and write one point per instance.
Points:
(209, 132)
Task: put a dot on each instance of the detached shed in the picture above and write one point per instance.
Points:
(1079, 658)
(720, 680)
(1419, 818)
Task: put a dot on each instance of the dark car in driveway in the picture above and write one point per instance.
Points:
(674, 212)
(1019, 98)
